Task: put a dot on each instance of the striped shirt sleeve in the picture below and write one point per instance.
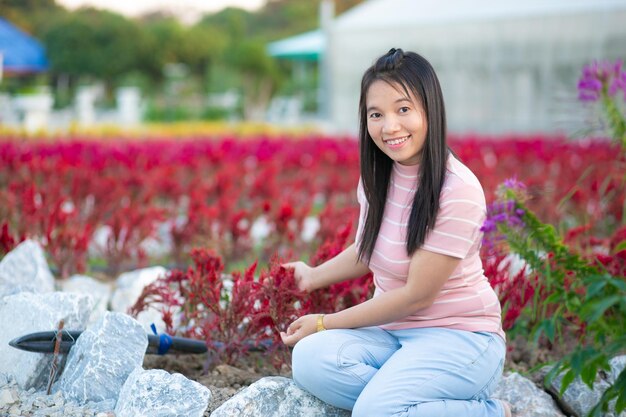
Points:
(360, 195)
(461, 214)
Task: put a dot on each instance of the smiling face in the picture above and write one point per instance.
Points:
(396, 122)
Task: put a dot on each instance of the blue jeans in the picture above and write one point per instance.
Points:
(415, 372)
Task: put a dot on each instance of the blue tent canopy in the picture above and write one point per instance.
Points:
(21, 53)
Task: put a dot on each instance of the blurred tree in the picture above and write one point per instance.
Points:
(259, 76)
(229, 44)
(164, 36)
(26, 13)
(201, 48)
(283, 18)
(231, 21)
(169, 42)
(245, 35)
(93, 43)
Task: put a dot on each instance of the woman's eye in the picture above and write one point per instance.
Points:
(404, 109)
(374, 115)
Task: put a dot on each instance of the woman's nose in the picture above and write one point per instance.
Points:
(391, 125)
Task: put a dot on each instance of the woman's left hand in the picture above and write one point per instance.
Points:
(299, 329)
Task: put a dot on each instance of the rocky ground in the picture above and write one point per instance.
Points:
(224, 381)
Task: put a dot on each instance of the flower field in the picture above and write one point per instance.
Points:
(211, 192)
(241, 204)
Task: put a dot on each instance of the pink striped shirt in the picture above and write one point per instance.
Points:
(466, 301)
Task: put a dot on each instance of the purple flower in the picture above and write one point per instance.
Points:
(499, 217)
(600, 77)
(488, 226)
(501, 213)
(514, 184)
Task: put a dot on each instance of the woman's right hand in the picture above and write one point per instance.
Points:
(303, 274)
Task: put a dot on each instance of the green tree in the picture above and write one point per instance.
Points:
(202, 47)
(93, 43)
(232, 22)
(164, 37)
(259, 76)
(26, 14)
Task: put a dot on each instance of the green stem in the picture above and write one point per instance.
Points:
(615, 119)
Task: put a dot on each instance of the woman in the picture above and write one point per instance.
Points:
(430, 341)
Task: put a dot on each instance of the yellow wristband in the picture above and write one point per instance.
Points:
(320, 323)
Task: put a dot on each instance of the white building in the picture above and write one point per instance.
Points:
(506, 66)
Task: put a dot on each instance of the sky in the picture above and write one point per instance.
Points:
(187, 10)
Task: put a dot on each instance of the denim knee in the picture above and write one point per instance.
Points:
(305, 360)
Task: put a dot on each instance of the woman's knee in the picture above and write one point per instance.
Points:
(306, 360)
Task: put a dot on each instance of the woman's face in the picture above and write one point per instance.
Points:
(396, 122)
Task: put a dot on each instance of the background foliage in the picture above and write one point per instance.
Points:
(222, 51)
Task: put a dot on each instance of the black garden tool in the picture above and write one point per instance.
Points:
(44, 342)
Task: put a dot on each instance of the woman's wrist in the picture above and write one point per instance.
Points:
(313, 284)
(320, 323)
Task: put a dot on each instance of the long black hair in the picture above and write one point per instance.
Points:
(414, 74)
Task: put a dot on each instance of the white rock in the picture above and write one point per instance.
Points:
(99, 291)
(157, 393)
(102, 358)
(25, 269)
(276, 396)
(128, 288)
(25, 313)
(526, 398)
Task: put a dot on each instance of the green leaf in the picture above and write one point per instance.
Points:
(592, 311)
(553, 298)
(620, 246)
(618, 283)
(552, 374)
(588, 374)
(595, 288)
(568, 378)
(620, 405)
(620, 386)
(546, 327)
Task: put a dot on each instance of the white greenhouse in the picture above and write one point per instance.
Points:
(505, 66)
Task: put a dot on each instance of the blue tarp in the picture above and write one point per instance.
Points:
(21, 53)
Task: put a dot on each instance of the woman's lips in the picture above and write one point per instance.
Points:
(395, 143)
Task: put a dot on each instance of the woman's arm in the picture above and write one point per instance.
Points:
(428, 272)
(342, 267)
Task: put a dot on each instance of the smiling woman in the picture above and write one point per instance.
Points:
(396, 122)
(430, 340)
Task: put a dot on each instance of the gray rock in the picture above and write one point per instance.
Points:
(157, 393)
(99, 291)
(618, 364)
(579, 399)
(525, 397)
(101, 406)
(25, 269)
(128, 288)
(27, 312)
(276, 396)
(102, 358)
(38, 404)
